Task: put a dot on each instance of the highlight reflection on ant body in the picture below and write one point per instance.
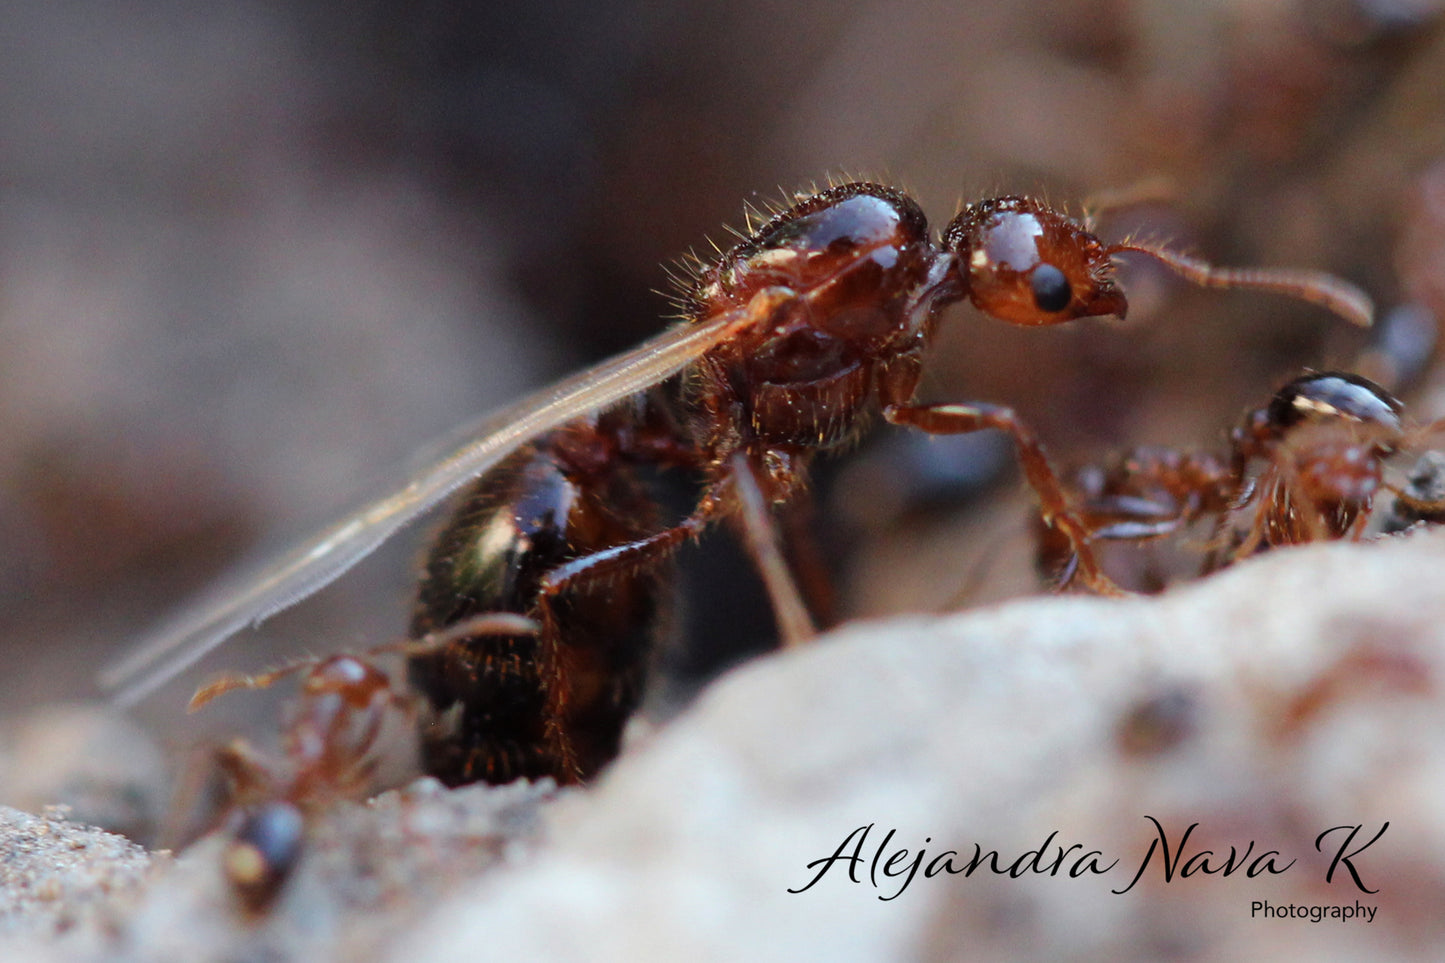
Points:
(1306, 467)
(819, 316)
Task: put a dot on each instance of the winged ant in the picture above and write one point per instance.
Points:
(820, 315)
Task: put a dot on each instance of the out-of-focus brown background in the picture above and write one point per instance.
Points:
(253, 254)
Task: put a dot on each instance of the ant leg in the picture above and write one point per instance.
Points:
(232, 681)
(593, 569)
(252, 775)
(488, 623)
(806, 557)
(1272, 502)
(1053, 502)
(629, 556)
(760, 533)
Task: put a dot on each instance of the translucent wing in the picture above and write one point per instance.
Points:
(319, 561)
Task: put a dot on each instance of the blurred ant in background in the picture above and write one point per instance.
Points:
(1307, 466)
(329, 739)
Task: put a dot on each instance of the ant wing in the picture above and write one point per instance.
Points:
(260, 593)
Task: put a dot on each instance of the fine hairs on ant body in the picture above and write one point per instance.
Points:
(1305, 467)
(821, 314)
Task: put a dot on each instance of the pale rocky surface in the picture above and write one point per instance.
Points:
(1287, 696)
(91, 758)
(57, 878)
(1305, 694)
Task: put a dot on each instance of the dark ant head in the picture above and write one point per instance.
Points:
(1332, 430)
(1337, 396)
(1025, 263)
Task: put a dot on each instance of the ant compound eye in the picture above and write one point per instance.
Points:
(1052, 291)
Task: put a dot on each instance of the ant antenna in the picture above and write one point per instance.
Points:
(1316, 287)
(487, 623)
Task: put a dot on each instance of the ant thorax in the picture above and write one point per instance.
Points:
(854, 278)
(852, 282)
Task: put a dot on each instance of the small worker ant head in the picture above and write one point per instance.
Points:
(1026, 263)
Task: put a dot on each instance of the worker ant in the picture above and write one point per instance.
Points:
(329, 738)
(1307, 466)
(820, 315)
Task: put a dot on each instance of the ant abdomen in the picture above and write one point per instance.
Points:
(554, 703)
(1336, 395)
(263, 852)
(1329, 434)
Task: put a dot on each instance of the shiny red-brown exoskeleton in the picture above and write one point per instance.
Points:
(327, 752)
(326, 755)
(1323, 440)
(1307, 466)
(540, 600)
(840, 293)
(791, 338)
(554, 702)
(843, 289)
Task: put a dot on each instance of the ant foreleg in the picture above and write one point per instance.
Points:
(487, 623)
(238, 680)
(1053, 502)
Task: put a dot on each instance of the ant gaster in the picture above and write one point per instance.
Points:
(822, 313)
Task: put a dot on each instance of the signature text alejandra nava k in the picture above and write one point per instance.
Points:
(891, 868)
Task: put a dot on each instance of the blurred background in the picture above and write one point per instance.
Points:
(254, 254)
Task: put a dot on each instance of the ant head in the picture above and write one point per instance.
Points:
(1333, 429)
(1025, 263)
